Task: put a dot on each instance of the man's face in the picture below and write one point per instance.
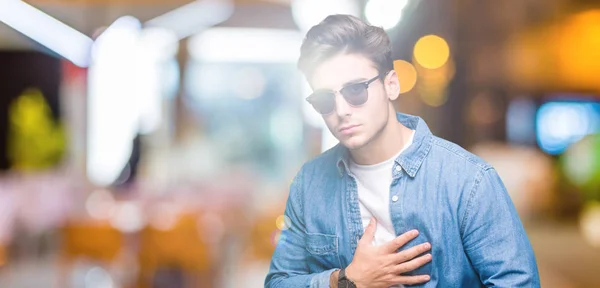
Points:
(353, 126)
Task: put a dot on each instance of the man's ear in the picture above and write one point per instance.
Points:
(392, 85)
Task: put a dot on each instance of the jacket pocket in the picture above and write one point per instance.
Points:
(323, 252)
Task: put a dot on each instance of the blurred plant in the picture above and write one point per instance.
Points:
(581, 165)
(35, 140)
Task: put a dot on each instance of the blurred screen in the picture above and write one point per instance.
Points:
(562, 122)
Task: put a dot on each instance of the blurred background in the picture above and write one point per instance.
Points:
(151, 143)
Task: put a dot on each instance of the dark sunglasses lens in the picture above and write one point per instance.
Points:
(324, 102)
(355, 94)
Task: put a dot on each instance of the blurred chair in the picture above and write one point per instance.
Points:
(3, 257)
(263, 236)
(258, 245)
(264, 232)
(179, 247)
(91, 240)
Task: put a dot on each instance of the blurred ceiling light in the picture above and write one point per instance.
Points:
(432, 52)
(155, 47)
(49, 32)
(112, 103)
(158, 43)
(245, 45)
(407, 75)
(308, 13)
(191, 18)
(385, 13)
(126, 85)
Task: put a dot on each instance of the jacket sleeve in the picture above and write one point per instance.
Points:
(494, 238)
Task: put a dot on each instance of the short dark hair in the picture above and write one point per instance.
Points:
(338, 34)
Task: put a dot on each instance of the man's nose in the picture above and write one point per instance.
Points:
(342, 108)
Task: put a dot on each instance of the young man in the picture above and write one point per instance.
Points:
(390, 176)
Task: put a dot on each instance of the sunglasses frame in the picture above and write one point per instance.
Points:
(366, 85)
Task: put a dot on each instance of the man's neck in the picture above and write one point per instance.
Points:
(387, 144)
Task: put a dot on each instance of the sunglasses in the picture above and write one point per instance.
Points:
(355, 94)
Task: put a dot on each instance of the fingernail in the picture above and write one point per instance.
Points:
(427, 245)
(414, 232)
(427, 278)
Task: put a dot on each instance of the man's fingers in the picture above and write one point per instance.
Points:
(367, 238)
(400, 241)
(411, 280)
(408, 254)
(412, 264)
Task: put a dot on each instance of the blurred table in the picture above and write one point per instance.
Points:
(563, 256)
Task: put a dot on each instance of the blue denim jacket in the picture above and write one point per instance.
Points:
(456, 201)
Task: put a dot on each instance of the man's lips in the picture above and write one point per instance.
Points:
(348, 128)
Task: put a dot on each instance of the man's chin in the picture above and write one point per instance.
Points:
(353, 143)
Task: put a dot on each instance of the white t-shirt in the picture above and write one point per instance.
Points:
(374, 183)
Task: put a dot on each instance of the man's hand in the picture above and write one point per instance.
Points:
(382, 266)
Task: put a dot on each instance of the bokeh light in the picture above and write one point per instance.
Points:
(308, 13)
(385, 13)
(283, 222)
(581, 165)
(560, 124)
(100, 204)
(433, 96)
(128, 217)
(432, 51)
(590, 223)
(432, 83)
(407, 75)
(164, 216)
(97, 277)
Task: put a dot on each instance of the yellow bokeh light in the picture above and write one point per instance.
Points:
(407, 75)
(433, 96)
(589, 223)
(432, 51)
(282, 222)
